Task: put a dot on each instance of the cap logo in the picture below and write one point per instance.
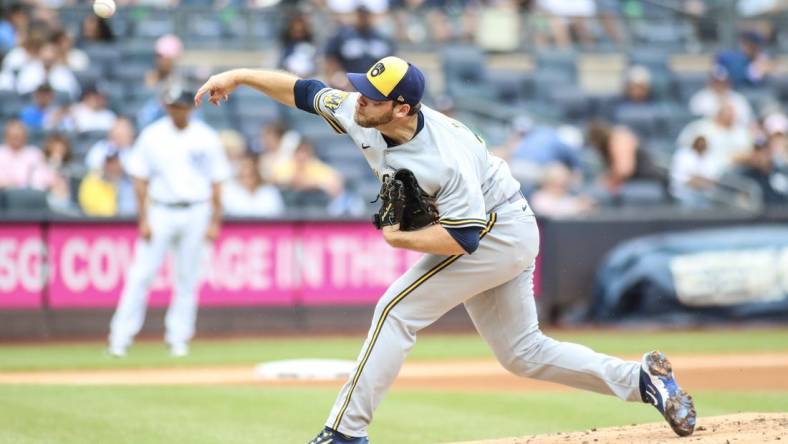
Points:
(377, 70)
(386, 74)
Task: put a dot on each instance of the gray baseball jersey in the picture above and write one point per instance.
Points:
(450, 162)
(472, 188)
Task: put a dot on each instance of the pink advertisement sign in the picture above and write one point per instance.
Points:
(348, 264)
(248, 265)
(252, 264)
(22, 267)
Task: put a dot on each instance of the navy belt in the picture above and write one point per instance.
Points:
(179, 204)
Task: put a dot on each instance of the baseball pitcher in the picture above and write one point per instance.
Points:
(443, 194)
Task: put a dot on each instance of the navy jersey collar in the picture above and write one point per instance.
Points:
(419, 126)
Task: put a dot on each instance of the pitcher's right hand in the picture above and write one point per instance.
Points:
(219, 87)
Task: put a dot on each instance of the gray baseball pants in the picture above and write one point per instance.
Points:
(495, 284)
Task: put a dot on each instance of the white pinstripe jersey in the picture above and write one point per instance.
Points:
(450, 162)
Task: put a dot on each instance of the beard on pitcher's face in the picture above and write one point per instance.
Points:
(370, 114)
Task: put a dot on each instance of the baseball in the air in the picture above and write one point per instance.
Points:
(104, 8)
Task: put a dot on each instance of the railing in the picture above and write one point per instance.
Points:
(498, 29)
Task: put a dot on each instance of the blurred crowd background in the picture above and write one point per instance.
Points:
(637, 105)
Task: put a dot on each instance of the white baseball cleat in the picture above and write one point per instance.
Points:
(659, 388)
(179, 350)
(116, 351)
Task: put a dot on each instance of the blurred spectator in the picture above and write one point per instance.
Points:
(700, 14)
(47, 69)
(150, 112)
(728, 141)
(609, 12)
(21, 164)
(566, 18)
(748, 65)
(554, 197)
(94, 30)
(120, 139)
(57, 152)
(168, 49)
(622, 155)
(58, 171)
(636, 96)
(350, 6)
(74, 58)
(107, 191)
(637, 86)
(437, 24)
(275, 145)
(46, 15)
(775, 126)
(769, 163)
(298, 50)
(707, 102)
(535, 147)
(247, 195)
(13, 22)
(305, 172)
(751, 8)
(42, 109)
(694, 173)
(162, 77)
(234, 148)
(26, 52)
(270, 138)
(355, 49)
(91, 113)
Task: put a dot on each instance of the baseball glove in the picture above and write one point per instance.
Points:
(403, 202)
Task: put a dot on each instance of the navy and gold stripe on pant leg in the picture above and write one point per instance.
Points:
(393, 303)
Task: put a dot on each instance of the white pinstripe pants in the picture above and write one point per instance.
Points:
(181, 230)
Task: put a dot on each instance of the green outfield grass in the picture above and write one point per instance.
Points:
(101, 415)
(88, 355)
(282, 415)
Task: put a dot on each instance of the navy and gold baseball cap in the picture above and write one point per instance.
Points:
(391, 78)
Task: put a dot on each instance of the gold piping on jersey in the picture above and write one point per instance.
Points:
(390, 306)
(456, 223)
(334, 123)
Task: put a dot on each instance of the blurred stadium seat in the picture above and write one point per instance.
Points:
(688, 83)
(104, 57)
(640, 118)
(12, 104)
(25, 200)
(464, 70)
(558, 61)
(512, 87)
(647, 193)
(148, 24)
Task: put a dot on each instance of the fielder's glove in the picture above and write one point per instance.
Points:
(403, 202)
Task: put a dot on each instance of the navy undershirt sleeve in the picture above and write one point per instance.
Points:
(467, 237)
(304, 92)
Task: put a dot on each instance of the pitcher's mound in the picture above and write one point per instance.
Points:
(729, 429)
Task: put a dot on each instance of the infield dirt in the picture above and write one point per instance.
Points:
(742, 428)
(751, 371)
